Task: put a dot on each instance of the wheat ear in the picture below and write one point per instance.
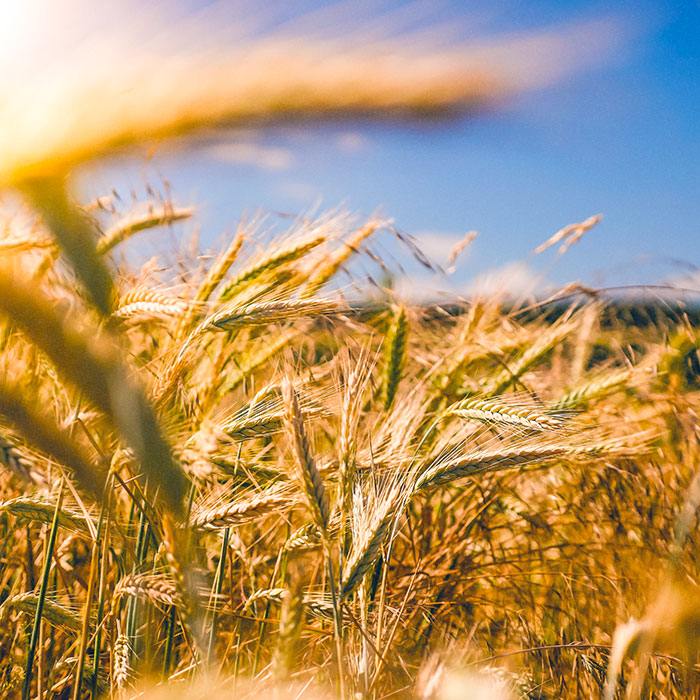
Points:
(446, 471)
(395, 355)
(128, 226)
(154, 587)
(272, 262)
(232, 317)
(57, 614)
(367, 546)
(319, 278)
(149, 303)
(41, 511)
(121, 666)
(211, 281)
(592, 389)
(239, 512)
(490, 411)
(532, 354)
(304, 463)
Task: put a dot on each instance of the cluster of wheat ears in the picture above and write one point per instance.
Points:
(230, 474)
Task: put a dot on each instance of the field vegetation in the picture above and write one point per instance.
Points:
(236, 470)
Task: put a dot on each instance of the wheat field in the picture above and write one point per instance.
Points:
(246, 475)
(253, 470)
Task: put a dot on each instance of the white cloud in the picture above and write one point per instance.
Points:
(514, 279)
(251, 153)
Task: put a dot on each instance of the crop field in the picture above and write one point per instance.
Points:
(263, 470)
(229, 474)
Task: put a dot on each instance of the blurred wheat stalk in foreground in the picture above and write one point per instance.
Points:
(106, 91)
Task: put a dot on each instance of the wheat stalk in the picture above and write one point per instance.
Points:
(395, 355)
(272, 262)
(592, 389)
(233, 317)
(93, 363)
(240, 512)
(291, 622)
(31, 508)
(154, 587)
(157, 215)
(495, 412)
(58, 615)
(121, 654)
(305, 465)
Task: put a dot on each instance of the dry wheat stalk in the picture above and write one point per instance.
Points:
(31, 508)
(395, 355)
(592, 389)
(304, 463)
(121, 670)
(57, 614)
(233, 316)
(272, 262)
(497, 412)
(157, 215)
(157, 588)
(242, 511)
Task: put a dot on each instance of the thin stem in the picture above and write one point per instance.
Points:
(42, 596)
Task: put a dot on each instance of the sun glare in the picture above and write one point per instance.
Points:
(18, 20)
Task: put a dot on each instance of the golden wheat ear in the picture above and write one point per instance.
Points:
(305, 467)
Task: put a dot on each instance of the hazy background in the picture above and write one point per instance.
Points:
(619, 135)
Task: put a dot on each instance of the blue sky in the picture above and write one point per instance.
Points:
(621, 138)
